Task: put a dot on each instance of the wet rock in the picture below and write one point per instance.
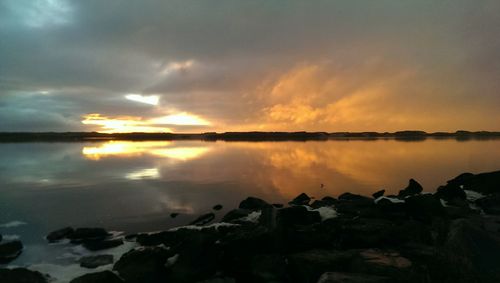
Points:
(143, 265)
(235, 214)
(1, 237)
(413, 188)
(378, 194)
(130, 237)
(330, 200)
(88, 233)
(253, 203)
(10, 251)
(248, 240)
(203, 219)
(355, 205)
(174, 215)
(424, 207)
(21, 275)
(302, 199)
(278, 205)
(342, 277)
(96, 261)
(296, 215)
(383, 263)
(97, 245)
(98, 277)
(450, 193)
(60, 234)
(490, 204)
(217, 207)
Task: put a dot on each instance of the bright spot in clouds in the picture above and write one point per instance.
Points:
(137, 124)
(150, 99)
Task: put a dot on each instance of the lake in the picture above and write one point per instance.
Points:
(134, 186)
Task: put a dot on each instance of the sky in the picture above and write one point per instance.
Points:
(237, 65)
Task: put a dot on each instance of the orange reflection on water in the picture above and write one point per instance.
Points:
(154, 148)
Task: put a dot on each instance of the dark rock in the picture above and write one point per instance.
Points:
(486, 183)
(130, 237)
(384, 263)
(21, 275)
(342, 277)
(174, 214)
(490, 204)
(235, 214)
(353, 197)
(296, 215)
(219, 280)
(96, 261)
(217, 207)
(424, 207)
(97, 245)
(378, 194)
(269, 268)
(450, 193)
(10, 251)
(143, 265)
(331, 200)
(1, 237)
(302, 199)
(278, 205)
(248, 240)
(98, 277)
(413, 188)
(60, 234)
(308, 266)
(473, 252)
(203, 219)
(253, 203)
(88, 233)
(460, 179)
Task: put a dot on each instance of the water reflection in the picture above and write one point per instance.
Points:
(131, 149)
(134, 186)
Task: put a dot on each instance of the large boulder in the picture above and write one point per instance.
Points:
(296, 215)
(485, 183)
(144, 265)
(378, 194)
(424, 207)
(10, 251)
(473, 252)
(95, 261)
(413, 188)
(235, 214)
(302, 199)
(253, 203)
(490, 204)
(60, 234)
(353, 197)
(343, 277)
(98, 277)
(21, 275)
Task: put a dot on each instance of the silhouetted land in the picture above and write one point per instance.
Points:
(242, 136)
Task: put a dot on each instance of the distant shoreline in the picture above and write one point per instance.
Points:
(244, 136)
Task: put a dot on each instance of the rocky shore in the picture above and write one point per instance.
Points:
(451, 235)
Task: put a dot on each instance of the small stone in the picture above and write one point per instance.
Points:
(217, 207)
(60, 234)
(174, 215)
(97, 245)
(378, 194)
(88, 233)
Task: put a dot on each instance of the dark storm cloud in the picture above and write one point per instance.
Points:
(269, 64)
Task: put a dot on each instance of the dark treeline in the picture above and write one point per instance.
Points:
(241, 136)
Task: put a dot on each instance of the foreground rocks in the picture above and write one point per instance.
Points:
(21, 275)
(411, 237)
(10, 251)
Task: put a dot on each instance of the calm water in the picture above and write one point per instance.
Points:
(134, 186)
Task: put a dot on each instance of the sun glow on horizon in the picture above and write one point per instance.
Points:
(128, 124)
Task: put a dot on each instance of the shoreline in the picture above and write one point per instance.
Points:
(243, 136)
(452, 235)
